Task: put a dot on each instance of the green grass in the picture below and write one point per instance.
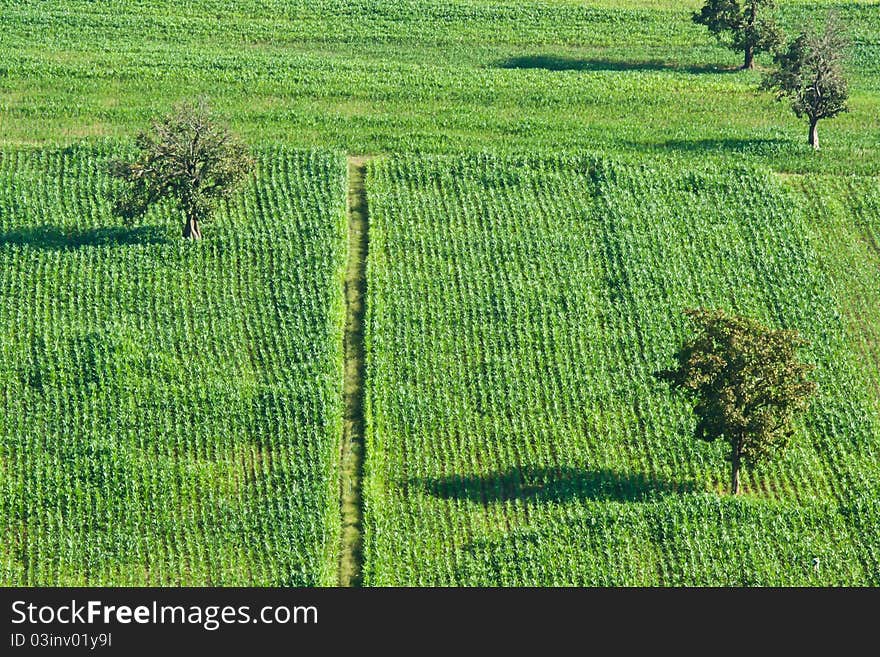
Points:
(371, 76)
(516, 434)
(170, 413)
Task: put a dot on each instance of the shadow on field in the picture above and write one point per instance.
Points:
(746, 146)
(55, 238)
(556, 63)
(550, 485)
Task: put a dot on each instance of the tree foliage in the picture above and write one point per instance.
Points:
(746, 26)
(810, 75)
(186, 156)
(746, 381)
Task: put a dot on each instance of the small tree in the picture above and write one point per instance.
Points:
(810, 74)
(744, 25)
(187, 157)
(746, 382)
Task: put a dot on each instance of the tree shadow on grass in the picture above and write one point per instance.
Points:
(556, 63)
(745, 146)
(56, 238)
(550, 485)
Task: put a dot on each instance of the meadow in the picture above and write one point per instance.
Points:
(369, 76)
(548, 184)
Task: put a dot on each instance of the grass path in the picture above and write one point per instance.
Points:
(353, 427)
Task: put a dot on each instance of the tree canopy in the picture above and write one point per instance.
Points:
(746, 383)
(186, 156)
(746, 26)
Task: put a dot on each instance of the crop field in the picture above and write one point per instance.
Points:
(419, 345)
(437, 75)
(845, 215)
(169, 413)
(516, 433)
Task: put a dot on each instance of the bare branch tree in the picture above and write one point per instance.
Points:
(810, 75)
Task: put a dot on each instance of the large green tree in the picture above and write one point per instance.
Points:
(746, 383)
(810, 75)
(188, 157)
(746, 26)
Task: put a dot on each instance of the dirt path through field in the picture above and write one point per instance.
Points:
(353, 427)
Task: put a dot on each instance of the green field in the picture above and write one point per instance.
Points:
(403, 75)
(170, 412)
(549, 184)
(517, 435)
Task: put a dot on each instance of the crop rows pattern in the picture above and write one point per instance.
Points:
(844, 215)
(518, 308)
(170, 413)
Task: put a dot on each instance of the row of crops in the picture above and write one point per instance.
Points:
(518, 309)
(170, 413)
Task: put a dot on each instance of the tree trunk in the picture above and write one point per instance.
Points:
(735, 458)
(814, 133)
(750, 59)
(191, 229)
